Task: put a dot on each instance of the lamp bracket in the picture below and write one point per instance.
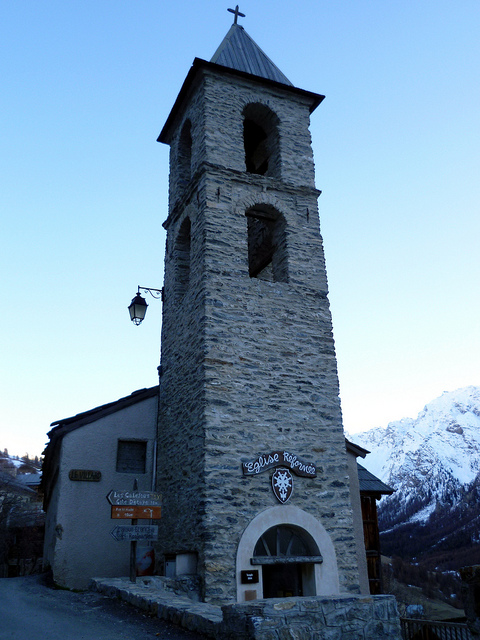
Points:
(155, 293)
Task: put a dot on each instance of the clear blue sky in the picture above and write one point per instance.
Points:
(86, 88)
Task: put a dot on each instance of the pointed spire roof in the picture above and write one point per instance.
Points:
(241, 56)
(238, 51)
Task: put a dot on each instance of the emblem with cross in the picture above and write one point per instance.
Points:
(237, 13)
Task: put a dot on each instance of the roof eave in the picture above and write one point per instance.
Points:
(356, 449)
(199, 64)
(86, 417)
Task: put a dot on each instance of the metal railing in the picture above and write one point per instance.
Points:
(416, 629)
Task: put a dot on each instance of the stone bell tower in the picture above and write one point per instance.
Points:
(252, 462)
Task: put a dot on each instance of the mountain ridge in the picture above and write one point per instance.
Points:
(433, 463)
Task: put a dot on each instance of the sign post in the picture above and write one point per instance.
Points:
(135, 504)
(133, 547)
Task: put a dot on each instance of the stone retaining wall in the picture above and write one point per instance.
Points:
(314, 618)
(325, 618)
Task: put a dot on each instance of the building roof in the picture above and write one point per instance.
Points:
(238, 51)
(240, 56)
(104, 410)
(66, 425)
(356, 449)
(29, 479)
(370, 483)
(9, 484)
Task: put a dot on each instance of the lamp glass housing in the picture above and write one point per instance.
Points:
(137, 309)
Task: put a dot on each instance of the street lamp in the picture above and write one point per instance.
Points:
(138, 306)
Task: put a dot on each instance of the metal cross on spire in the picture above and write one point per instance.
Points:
(237, 13)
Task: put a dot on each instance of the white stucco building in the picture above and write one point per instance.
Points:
(89, 455)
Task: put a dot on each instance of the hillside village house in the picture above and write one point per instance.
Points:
(87, 456)
(252, 464)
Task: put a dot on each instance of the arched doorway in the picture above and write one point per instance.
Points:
(287, 555)
(315, 573)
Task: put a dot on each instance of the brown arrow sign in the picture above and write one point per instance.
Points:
(151, 513)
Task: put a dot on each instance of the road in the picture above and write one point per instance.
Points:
(31, 609)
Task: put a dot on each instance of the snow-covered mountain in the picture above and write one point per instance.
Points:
(433, 463)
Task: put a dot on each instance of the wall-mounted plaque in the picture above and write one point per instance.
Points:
(279, 459)
(249, 577)
(85, 475)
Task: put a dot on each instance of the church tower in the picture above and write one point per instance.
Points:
(252, 461)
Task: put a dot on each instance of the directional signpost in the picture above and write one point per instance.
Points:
(134, 532)
(134, 505)
(148, 513)
(135, 498)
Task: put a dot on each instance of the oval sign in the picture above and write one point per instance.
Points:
(282, 484)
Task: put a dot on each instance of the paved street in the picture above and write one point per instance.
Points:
(31, 609)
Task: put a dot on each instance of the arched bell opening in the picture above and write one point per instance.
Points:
(267, 244)
(261, 140)
(182, 257)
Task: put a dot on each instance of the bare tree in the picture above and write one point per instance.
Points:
(18, 524)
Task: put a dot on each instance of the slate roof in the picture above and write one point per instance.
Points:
(238, 51)
(11, 484)
(356, 449)
(238, 54)
(66, 425)
(104, 410)
(29, 479)
(370, 483)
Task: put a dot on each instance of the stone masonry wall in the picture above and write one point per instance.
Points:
(316, 618)
(248, 366)
(271, 383)
(332, 618)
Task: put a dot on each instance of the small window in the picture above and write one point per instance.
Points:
(131, 456)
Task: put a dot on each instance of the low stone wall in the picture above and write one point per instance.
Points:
(156, 597)
(317, 617)
(312, 618)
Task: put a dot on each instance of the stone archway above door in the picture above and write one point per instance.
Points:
(324, 574)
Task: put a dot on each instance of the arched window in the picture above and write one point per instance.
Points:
(267, 244)
(283, 543)
(184, 160)
(260, 138)
(182, 257)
